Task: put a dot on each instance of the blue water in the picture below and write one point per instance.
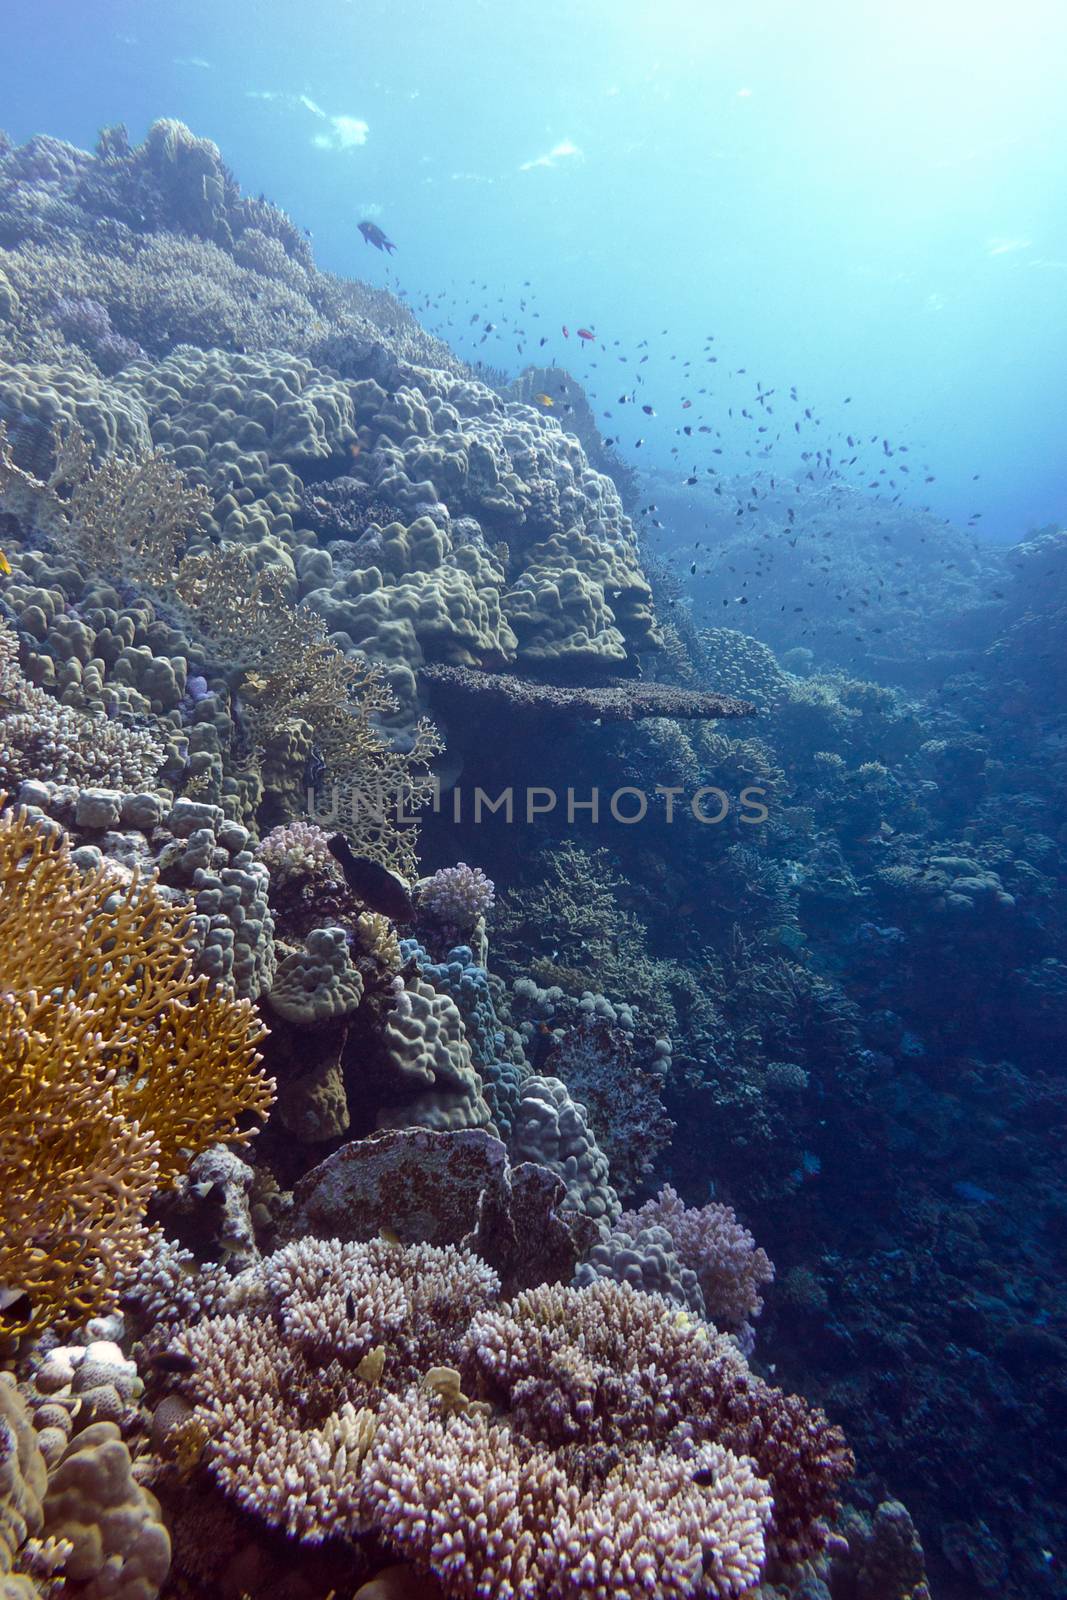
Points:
(857, 201)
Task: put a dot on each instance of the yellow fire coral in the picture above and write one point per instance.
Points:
(117, 1063)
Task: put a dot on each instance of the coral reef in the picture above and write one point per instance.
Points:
(259, 523)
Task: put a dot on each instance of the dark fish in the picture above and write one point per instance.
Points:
(173, 1361)
(378, 888)
(374, 235)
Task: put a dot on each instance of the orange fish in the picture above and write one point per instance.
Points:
(584, 333)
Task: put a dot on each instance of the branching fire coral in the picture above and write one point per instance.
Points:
(117, 1064)
(291, 673)
(128, 518)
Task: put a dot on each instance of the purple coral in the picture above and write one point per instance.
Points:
(296, 851)
(730, 1266)
(87, 323)
(457, 896)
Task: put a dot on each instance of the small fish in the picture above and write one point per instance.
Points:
(566, 331)
(5, 565)
(174, 1361)
(372, 234)
(544, 400)
(584, 333)
(648, 410)
(705, 1477)
(378, 888)
(388, 1235)
(350, 1306)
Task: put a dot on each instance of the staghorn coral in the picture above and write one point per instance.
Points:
(117, 1064)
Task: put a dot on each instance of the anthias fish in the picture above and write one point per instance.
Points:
(378, 888)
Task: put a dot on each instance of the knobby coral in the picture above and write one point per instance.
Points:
(117, 1064)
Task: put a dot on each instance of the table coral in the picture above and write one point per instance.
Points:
(613, 700)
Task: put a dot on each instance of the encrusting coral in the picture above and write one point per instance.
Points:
(117, 1064)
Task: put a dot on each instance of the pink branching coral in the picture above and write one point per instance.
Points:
(296, 850)
(730, 1266)
(573, 1442)
(457, 896)
(605, 1372)
(488, 1513)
